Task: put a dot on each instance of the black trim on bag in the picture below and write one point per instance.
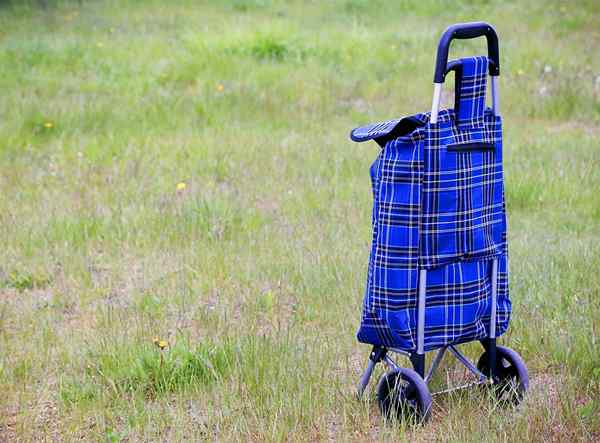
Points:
(470, 147)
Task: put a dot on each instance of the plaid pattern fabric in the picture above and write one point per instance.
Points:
(462, 213)
(444, 211)
(470, 92)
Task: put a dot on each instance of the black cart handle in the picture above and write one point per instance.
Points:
(465, 31)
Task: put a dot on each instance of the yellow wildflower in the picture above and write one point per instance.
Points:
(161, 344)
(220, 87)
(48, 125)
(181, 186)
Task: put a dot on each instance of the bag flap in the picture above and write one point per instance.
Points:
(383, 131)
(374, 130)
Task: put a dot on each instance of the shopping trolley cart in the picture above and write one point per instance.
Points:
(438, 267)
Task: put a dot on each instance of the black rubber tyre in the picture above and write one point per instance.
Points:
(403, 394)
(512, 376)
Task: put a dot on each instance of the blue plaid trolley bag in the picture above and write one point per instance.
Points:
(438, 267)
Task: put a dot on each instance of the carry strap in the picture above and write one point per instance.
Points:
(470, 92)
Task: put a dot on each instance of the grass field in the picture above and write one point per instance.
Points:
(181, 171)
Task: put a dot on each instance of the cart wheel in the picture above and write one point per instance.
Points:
(513, 379)
(403, 393)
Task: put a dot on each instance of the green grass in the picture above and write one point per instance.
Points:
(254, 272)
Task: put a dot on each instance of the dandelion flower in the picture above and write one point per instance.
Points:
(48, 125)
(181, 186)
(220, 87)
(159, 343)
(520, 72)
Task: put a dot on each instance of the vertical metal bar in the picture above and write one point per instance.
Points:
(435, 105)
(491, 349)
(418, 359)
(494, 296)
(421, 312)
(495, 96)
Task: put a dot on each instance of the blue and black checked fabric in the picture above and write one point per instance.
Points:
(442, 210)
(470, 87)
